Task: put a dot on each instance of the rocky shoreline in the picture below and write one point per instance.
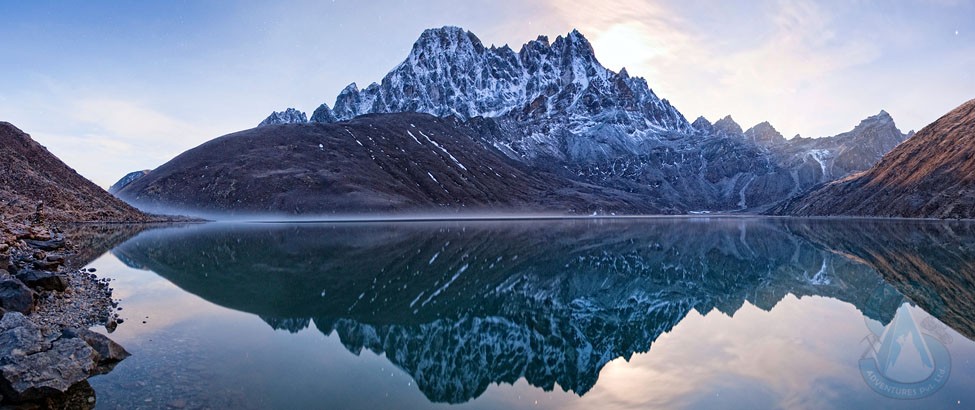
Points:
(47, 351)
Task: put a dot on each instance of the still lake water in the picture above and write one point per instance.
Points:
(676, 313)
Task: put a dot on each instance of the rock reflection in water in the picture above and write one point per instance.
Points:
(462, 305)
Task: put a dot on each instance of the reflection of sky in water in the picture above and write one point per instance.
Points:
(801, 354)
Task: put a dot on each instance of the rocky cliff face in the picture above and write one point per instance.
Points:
(32, 179)
(323, 114)
(813, 161)
(931, 175)
(764, 134)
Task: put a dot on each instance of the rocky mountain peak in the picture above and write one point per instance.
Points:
(448, 39)
(126, 180)
(450, 73)
(880, 126)
(323, 114)
(918, 178)
(702, 125)
(575, 45)
(765, 134)
(728, 126)
(288, 116)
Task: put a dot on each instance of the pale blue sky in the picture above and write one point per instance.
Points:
(117, 86)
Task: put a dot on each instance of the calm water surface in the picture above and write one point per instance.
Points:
(611, 314)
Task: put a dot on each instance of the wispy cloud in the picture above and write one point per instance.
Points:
(131, 120)
(104, 137)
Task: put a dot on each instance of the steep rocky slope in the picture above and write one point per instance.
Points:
(31, 176)
(931, 175)
(403, 163)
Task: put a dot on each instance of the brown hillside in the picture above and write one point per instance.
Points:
(30, 175)
(374, 164)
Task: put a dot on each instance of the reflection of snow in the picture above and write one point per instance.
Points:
(820, 277)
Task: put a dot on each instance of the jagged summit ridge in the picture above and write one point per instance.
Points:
(703, 126)
(450, 72)
(288, 116)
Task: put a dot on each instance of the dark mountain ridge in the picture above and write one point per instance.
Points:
(395, 163)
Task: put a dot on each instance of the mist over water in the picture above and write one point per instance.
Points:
(661, 312)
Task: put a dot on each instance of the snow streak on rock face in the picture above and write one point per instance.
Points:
(288, 116)
(813, 161)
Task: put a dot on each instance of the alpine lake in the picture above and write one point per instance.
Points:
(675, 313)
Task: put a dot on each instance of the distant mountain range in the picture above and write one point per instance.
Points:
(552, 108)
(32, 179)
(932, 175)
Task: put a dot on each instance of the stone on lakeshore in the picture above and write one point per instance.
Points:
(43, 279)
(19, 336)
(16, 297)
(32, 367)
(48, 372)
(48, 245)
(108, 351)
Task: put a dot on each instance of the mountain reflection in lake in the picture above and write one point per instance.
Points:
(740, 312)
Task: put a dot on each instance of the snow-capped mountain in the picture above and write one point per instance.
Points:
(552, 106)
(288, 116)
(323, 114)
(550, 89)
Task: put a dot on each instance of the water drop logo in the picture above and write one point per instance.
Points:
(904, 362)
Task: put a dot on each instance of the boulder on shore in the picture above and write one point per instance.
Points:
(16, 297)
(33, 367)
